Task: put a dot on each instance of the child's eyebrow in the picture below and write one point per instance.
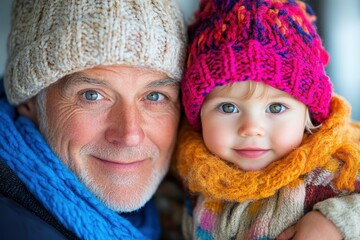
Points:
(280, 95)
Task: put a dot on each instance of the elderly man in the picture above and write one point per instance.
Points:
(95, 90)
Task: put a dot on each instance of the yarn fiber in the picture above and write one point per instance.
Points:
(270, 41)
(51, 39)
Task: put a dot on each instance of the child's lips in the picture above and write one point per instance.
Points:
(251, 152)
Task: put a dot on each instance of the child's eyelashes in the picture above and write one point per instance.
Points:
(276, 108)
(228, 108)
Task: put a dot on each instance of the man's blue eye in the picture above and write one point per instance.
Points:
(92, 95)
(276, 108)
(155, 96)
(228, 108)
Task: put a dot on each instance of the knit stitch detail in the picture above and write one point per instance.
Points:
(51, 39)
(13, 188)
(269, 41)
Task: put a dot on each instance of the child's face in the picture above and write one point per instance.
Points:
(253, 130)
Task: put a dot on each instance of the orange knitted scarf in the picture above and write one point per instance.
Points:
(338, 138)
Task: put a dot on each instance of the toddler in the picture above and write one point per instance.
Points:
(269, 141)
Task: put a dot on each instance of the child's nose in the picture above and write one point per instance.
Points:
(251, 126)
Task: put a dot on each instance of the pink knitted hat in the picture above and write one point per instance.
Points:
(270, 41)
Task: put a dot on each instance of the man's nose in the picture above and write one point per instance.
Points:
(125, 125)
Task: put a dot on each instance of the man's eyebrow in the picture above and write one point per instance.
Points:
(77, 79)
(163, 83)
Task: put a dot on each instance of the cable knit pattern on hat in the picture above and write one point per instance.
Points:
(274, 42)
(50, 39)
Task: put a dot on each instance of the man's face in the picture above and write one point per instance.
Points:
(115, 128)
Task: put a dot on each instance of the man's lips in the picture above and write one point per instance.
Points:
(129, 165)
(251, 152)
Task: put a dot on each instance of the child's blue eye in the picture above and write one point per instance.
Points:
(228, 108)
(276, 108)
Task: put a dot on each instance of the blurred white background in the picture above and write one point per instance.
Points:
(338, 24)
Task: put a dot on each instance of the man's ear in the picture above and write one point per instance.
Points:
(28, 109)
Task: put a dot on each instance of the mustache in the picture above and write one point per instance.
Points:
(110, 152)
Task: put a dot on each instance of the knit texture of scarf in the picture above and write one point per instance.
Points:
(212, 177)
(26, 152)
(229, 195)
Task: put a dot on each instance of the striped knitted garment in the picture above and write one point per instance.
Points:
(261, 204)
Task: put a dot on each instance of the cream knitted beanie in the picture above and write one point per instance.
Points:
(51, 39)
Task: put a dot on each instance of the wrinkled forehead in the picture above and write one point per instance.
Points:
(99, 76)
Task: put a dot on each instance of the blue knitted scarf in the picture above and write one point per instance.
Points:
(25, 151)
